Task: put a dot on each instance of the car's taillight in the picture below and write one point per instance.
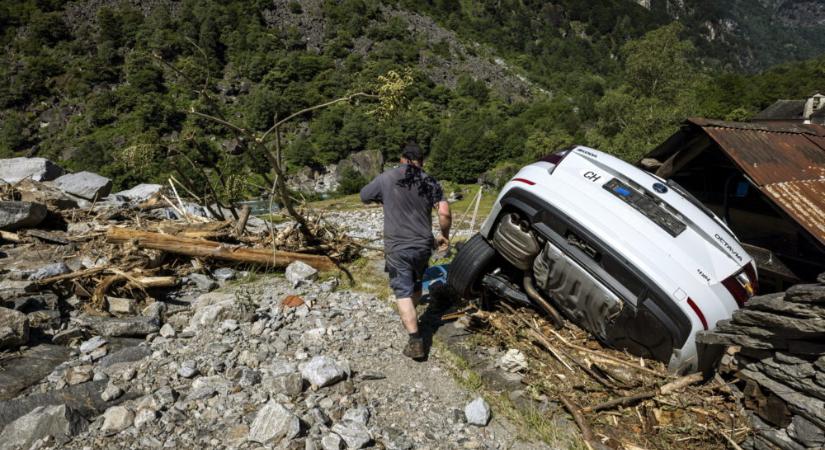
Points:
(555, 159)
(742, 285)
(698, 312)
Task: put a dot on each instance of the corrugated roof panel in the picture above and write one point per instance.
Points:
(804, 201)
(769, 157)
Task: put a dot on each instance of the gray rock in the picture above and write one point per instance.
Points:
(355, 434)
(204, 387)
(91, 344)
(358, 414)
(323, 371)
(188, 369)
(273, 423)
(118, 326)
(203, 282)
(224, 274)
(291, 384)
(145, 416)
(806, 293)
(59, 422)
(31, 302)
(13, 170)
(300, 272)
(167, 331)
(111, 392)
(141, 192)
(124, 355)
(29, 368)
(332, 442)
(14, 328)
(86, 185)
(117, 419)
(805, 432)
(477, 412)
(84, 398)
(229, 325)
(154, 310)
(15, 288)
(16, 215)
(50, 270)
(79, 374)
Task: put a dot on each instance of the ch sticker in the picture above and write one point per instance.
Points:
(592, 176)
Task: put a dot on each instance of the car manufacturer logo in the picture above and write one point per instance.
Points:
(660, 188)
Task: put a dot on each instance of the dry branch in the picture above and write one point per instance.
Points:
(216, 250)
(587, 434)
(673, 386)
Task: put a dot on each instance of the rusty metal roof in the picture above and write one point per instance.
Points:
(785, 162)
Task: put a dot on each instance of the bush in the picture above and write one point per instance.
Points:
(351, 182)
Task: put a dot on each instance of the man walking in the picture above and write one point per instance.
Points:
(409, 195)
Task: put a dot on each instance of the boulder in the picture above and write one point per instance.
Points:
(300, 272)
(37, 192)
(60, 422)
(140, 193)
(477, 412)
(16, 215)
(85, 185)
(323, 371)
(13, 170)
(273, 423)
(14, 329)
(117, 419)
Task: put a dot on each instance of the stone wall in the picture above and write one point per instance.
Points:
(780, 340)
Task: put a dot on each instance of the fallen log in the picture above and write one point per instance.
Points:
(9, 236)
(216, 250)
(668, 388)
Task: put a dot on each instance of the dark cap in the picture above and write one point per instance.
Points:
(412, 152)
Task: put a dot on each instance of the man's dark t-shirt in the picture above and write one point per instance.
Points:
(408, 195)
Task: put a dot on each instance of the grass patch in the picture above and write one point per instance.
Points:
(531, 424)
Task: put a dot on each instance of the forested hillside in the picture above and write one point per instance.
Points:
(111, 86)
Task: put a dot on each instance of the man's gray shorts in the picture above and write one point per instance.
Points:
(406, 268)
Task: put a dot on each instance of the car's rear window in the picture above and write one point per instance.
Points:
(648, 205)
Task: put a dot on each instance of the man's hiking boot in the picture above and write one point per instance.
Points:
(415, 349)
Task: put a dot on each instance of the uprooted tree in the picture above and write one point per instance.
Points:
(389, 93)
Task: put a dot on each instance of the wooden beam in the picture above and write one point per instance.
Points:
(215, 250)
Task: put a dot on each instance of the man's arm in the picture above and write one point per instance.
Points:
(445, 221)
(371, 193)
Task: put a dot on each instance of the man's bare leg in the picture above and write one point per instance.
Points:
(409, 317)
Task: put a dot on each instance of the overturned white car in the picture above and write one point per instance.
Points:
(631, 258)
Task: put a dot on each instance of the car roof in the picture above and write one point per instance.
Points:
(706, 248)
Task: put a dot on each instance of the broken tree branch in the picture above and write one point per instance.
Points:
(587, 434)
(209, 249)
(678, 384)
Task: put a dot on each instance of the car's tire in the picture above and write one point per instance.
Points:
(473, 260)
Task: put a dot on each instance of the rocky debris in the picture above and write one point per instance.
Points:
(79, 374)
(14, 328)
(477, 412)
(13, 170)
(224, 274)
(121, 306)
(273, 423)
(92, 344)
(16, 215)
(299, 273)
(780, 341)
(85, 185)
(50, 270)
(513, 361)
(355, 434)
(188, 369)
(57, 422)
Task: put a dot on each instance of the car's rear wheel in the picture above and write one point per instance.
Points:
(473, 260)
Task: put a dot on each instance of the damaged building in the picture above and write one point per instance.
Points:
(766, 180)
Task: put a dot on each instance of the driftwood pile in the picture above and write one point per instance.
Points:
(616, 399)
(111, 256)
(778, 352)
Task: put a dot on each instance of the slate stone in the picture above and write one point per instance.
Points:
(84, 398)
(323, 371)
(805, 432)
(355, 434)
(811, 408)
(299, 272)
(86, 185)
(776, 303)
(141, 192)
(781, 324)
(17, 215)
(128, 354)
(117, 419)
(806, 293)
